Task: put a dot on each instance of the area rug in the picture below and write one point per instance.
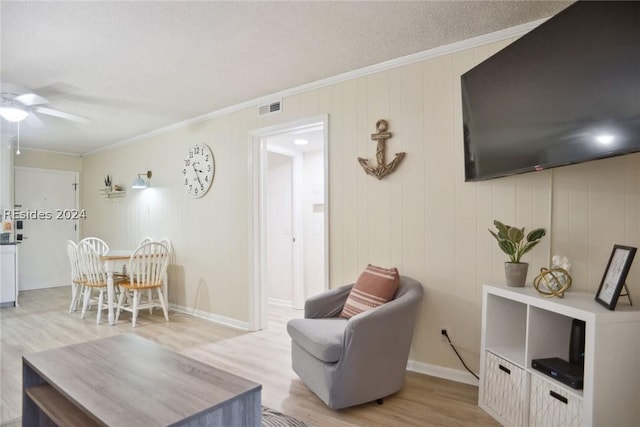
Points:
(271, 418)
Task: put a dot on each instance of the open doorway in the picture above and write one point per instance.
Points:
(289, 241)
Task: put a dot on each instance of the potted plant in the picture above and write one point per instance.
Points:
(512, 241)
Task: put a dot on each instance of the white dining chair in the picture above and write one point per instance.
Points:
(167, 243)
(92, 268)
(123, 275)
(77, 280)
(96, 243)
(145, 240)
(146, 269)
(101, 247)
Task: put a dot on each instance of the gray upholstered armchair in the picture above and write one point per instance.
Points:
(362, 359)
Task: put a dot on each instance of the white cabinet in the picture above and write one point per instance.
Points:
(553, 406)
(519, 325)
(8, 276)
(505, 385)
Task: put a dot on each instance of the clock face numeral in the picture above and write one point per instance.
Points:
(198, 170)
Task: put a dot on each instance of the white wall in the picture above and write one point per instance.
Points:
(6, 172)
(423, 218)
(6, 182)
(209, 235)
(596, 205)
(48, 160)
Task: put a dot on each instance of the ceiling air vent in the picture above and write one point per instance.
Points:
(270, 108)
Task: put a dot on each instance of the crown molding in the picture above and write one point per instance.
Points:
(451, 48)
(42, 150)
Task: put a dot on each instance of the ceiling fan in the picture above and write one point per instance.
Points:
(18, 103)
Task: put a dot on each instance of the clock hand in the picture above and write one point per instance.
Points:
(194, 167)
(198, 176)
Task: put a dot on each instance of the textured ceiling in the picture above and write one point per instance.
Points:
(135, 67)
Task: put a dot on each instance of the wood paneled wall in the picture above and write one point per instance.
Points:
(423, 218)
(596, 205)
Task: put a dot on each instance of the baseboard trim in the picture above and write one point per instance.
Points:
(222, 320)
(442, 372)
(280, 302)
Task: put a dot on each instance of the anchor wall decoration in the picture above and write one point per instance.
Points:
(382, 169)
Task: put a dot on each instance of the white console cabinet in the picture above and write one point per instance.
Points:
(519, 325)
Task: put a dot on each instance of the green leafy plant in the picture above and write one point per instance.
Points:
(512, 242)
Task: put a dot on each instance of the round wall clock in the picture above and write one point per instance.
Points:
(198, 170)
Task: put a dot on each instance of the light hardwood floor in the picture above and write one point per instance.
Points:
(42, 322)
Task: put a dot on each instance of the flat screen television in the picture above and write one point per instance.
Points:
(566, 92)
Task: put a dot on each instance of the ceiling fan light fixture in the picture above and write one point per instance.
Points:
(13, 114)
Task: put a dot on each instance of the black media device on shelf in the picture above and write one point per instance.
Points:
(563, 371)
(576, 345)
(570, 373)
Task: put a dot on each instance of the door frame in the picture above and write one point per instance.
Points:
(257, 213)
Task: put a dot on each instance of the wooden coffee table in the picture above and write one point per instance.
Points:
(127, 380)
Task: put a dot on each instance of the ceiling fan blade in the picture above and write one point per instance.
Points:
(62, 114)
(34, 121)
(30, 99)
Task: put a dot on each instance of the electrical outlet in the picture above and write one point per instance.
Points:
(444, 331)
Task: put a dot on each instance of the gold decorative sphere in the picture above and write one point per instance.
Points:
(554, 282)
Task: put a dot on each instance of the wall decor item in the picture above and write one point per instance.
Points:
(198, 170)
(382, 169)
(511, 241)
(554, 281)
(614, 276)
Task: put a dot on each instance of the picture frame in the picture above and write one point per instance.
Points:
(615, 275)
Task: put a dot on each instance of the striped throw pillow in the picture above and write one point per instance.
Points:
(374, 287)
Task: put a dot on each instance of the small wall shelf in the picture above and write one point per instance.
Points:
(107, 192)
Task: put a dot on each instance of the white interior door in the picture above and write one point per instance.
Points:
(280, 236)
(47, 204)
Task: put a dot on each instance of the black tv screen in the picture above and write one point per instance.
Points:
(566, 92)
